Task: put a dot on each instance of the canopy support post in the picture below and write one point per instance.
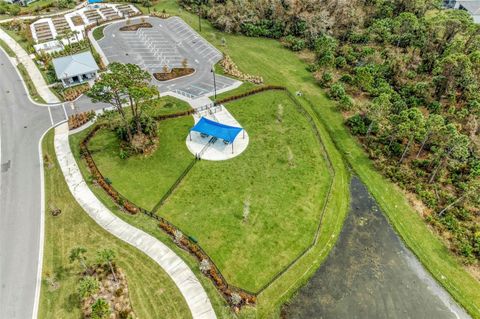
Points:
(232, 148)
(243, 133)
(190, 135)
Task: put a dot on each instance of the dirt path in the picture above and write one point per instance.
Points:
(370, 274)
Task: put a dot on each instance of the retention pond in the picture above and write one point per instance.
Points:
(371, 274)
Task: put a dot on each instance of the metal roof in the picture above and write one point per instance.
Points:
(226, 132)
(471, 6)
(77, 64)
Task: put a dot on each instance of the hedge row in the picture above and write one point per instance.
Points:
(98, 177)
(213, 272)
(251, 92)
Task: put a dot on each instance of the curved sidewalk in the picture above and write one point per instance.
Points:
(191, 289)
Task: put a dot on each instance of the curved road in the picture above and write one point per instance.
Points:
(22, 125)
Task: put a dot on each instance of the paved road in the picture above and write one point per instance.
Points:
(21, 127)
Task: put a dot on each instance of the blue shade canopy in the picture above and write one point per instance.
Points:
(225, 132)
(95, 1)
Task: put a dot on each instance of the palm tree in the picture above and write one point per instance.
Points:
(107, 256)
(78, 254)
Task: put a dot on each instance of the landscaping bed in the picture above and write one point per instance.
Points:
(173, 74)
(135, 27)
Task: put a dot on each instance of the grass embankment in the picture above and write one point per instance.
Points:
(152, 292)
(280, 66)
(7, 49)
(32, 90)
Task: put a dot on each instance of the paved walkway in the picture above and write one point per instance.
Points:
(191, 289)
(35, 75)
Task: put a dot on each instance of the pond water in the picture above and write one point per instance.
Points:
(371, 274)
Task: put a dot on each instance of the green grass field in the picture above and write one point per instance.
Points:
(152, 292)
(282, 176)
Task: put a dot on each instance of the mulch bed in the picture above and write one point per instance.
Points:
(173, 74)
(135, 27)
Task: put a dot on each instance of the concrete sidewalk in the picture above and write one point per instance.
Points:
(191, 289)
(35, 75)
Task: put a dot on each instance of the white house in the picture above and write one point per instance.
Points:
(75, 69)
(472, 6)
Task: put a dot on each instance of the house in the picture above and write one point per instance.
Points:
(75, 69)
(471, 6)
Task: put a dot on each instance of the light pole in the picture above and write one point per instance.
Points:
(214, 82)
(199, 20)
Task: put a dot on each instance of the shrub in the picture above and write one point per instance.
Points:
(357, 125)
(345, 103)
(346, 78)
(340, 62)
(235, 299)
(326, 79)
(293, 43)
(205, 266)
(100, 309)
(337, 92)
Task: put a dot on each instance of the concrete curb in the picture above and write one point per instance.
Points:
(191, 289)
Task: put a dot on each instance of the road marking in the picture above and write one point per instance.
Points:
(50, 113)
(64, 111)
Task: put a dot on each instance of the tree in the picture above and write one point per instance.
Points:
(129, 85)
(433, 126)
(185, 63)
(456, 71)
(411, 127)
(378, 110)
(454, 146)
(325, 47)
(107, 256)
(100, 309)
(78, 254)
(406, 29)
(471, 191)
(88, 286)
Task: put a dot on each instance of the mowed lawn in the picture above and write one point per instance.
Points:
(144, 179)
(280, 182)
(153, 294)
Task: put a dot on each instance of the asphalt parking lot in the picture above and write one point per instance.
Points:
(168, 42)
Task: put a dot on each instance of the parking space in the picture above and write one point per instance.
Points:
(169, 43)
